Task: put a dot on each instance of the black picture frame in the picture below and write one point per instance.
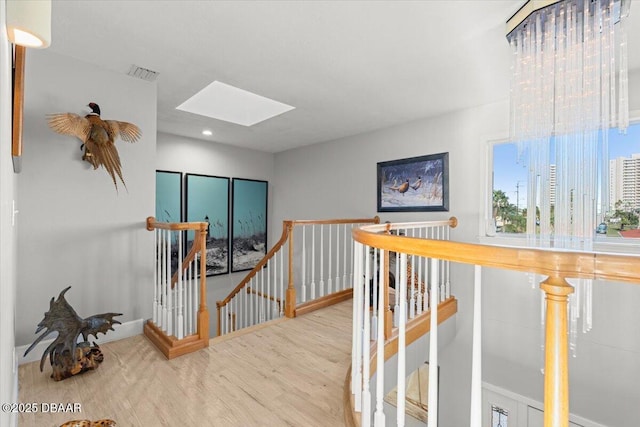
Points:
(207, 199)
(415, 184)
(249, 223)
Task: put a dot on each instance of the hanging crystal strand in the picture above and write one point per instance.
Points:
(588, 317)
(623, 96)
(573, 320)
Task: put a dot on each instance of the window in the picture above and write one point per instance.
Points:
(618, 217)
(499, 417)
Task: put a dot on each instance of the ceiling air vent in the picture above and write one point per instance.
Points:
(143, 73)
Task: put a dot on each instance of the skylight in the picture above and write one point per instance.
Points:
(231, 104)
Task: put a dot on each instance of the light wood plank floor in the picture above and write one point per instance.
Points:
(290, 373)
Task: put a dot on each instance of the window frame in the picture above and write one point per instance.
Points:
(489, 237)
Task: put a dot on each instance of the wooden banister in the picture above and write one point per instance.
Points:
(263, 295)
(558, 265)
(287, 237)
(548, 262)
(170, 346)
(256, 269)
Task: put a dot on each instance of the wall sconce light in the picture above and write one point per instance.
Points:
(29, 23)
(28, 26)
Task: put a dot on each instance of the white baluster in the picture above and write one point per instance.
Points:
(374, 293)
(402, 327)
(433, 348)
(268, 294)
(329, 280)
(180, 325)
(337, 288)
(360, 335)
(352, 255)
(263, 305)
(321, 285)
(421, 295)
(235, 313)
(344, 260)
(354, 334)
(396, 310)
(379, 414)
(154, 315)
(187, 298)
(195, 292)
(448, 271)
(251, 303)
(366, 334)
(476, 361)
(303, 289)
(412, 299)
(167, 284)
(281, 282)
(313, 262)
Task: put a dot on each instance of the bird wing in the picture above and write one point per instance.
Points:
(107, 156)
(99, 323)
(127, 131)
(70, 124)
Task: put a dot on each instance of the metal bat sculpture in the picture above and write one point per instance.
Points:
(67, 356)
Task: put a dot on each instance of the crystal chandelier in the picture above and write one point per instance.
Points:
(569, 86)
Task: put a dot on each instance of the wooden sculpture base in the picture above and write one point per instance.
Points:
(87, 357)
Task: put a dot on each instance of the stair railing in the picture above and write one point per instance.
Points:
(392, 308)
(558, 265)
(180, 322)
(296, 276)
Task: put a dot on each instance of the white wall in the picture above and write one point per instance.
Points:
(187, 155)
(74, 228)
(338, 178)
(8, 373)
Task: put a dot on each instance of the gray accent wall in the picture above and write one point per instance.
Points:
(74, 228)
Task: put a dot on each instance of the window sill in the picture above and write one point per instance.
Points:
(616, 245)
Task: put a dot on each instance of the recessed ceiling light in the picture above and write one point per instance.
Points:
(231, 104)
(207, 132)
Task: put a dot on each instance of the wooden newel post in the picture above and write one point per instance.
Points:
(290, 299)
(203, 312)
(556, 363)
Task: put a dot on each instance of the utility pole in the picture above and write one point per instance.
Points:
(518, 197)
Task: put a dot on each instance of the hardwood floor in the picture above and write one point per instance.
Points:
(290, 373)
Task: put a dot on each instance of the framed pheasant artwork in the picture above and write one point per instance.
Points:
(416, 184)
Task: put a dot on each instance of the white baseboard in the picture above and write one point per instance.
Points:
(125, 330)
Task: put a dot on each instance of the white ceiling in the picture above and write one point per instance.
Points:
(347, 67)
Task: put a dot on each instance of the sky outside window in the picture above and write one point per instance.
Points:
(508, 172)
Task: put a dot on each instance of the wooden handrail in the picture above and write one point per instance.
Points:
(548, 262)
(263, 295)
(259, 265)
(557, 264)
(374, 220)
(287, 236)
(175, 226)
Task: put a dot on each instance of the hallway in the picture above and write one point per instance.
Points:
(288, 373)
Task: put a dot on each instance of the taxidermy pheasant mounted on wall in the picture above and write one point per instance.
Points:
(98, 137)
